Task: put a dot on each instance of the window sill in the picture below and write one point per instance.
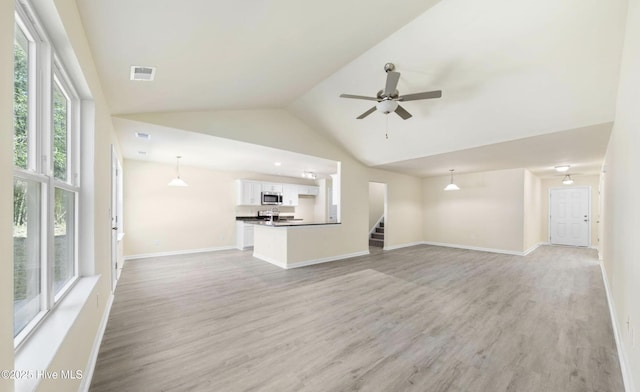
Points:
(37, 353)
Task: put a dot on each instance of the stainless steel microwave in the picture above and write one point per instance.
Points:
(271, 198)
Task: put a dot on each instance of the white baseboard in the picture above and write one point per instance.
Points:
(306, 263)
(536, 246)
(392, 247)
(177, 253)
(624, 367)
(492, 250)
(270, 260)
(93, 357)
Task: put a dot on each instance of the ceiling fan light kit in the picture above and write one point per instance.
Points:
(389, 97)
(387, 106)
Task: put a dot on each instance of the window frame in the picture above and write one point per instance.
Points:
(45, 70)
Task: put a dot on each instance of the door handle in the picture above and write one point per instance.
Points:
(586, 220)
(115, 228)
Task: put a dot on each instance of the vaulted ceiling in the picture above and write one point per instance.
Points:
(509, 70)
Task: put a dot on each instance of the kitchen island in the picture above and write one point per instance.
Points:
(291, 244)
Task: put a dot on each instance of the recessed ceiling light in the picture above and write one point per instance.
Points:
(562, 168)
(277, 163)
(143, 135)
(142, 73)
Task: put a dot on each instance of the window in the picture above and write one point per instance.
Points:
(26, 252)
(45, 185)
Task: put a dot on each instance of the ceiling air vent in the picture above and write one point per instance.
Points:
(143, 135)
(146, 74)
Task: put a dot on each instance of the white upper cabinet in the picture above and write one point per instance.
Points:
(290, 195)
(248, 193)
(271, 187)
(308, 190)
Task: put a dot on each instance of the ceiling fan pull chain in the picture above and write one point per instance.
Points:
(386, 130)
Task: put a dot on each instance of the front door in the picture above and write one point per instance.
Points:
(570, 216)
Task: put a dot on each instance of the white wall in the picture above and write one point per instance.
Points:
(403, 223)
(487, 212)
(6, 191)
(306, 208)
(159, 218)
(532, 210)
(621, 214)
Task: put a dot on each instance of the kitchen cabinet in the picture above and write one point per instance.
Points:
(308, 190)
(290, 195)
(244, 235)
(248, 193)
(271, 187)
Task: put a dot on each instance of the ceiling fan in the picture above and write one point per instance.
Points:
(389, 97)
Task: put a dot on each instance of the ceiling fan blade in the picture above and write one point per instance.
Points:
(392, 83)
(400, 111)
(365, 114)
(358, 97)
(416, 96)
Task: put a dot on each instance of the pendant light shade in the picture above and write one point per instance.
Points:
(177, 181)
(452, 186)
(567, 180)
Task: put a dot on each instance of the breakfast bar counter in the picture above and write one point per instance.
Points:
(292, 223)
(290, 244)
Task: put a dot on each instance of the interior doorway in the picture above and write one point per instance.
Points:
(377, 215)
(570, 216)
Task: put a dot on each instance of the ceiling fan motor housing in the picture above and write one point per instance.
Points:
(388, 67)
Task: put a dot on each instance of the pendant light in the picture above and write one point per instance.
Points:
(452, 186)
(567, 180)
(177, 181)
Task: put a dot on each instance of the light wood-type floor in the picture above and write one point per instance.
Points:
(423, 318)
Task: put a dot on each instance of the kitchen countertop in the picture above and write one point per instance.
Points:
(264, 218)
(286, 221)
(292, 223)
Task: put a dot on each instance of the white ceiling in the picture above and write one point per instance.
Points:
(509, 70)
(581, 148)
(215, 54)
(197, 149)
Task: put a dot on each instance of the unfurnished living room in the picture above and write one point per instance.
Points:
(276, 195)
